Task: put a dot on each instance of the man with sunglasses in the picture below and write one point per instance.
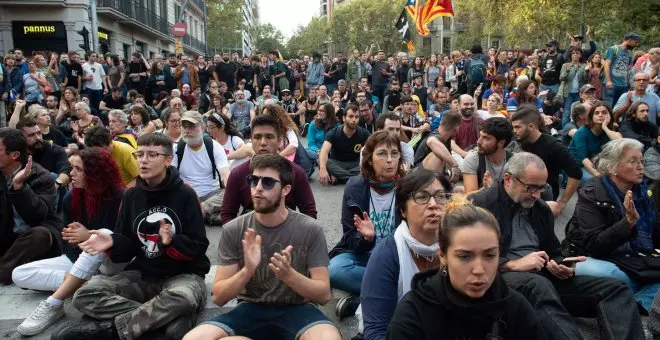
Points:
(532, 263)
(275, 261)
(266, 140)
(161, 229)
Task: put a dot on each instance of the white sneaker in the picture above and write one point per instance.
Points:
(42, 317)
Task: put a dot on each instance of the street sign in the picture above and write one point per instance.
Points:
(179, 29)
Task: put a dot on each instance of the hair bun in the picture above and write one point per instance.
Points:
(457, 201)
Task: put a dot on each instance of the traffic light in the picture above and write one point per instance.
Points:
(85, 36)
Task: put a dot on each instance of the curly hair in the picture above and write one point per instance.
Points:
(286, 123)
(102, 183)
(378, 138)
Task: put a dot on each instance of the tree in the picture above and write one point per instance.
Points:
(225, 25)
(308, 39)
(268, 38)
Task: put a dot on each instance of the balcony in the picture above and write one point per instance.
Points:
(194, 43)
(40, 3)
(132, 12)
(200, 4)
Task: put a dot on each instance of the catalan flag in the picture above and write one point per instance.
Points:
(427, 13)
(404, 28)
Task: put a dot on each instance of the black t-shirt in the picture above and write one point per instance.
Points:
(423, 150)
(115, 104)
(556, 158)
(345, 149)
(204, 76)
(53, 158)
(378, 78)
(247, 72)
(550, 69)
(73, 71)
(55, 136)
(423, 96)
(225, 73)
(341, 71)
(137, 67)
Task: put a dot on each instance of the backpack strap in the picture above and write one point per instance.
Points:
(481, 170)
(208, 144)
(180, 148)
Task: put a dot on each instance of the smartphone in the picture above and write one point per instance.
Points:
(569, 261)
(356, 210)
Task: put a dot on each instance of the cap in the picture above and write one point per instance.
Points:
(577, 36)
(416, 75)
(632, 36)
(552, 42)
(285, 90)
(587, 87)
(193, 117)
(107, 54)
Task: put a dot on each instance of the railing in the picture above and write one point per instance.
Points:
(200, 3)
(138, 13)
(194, 43)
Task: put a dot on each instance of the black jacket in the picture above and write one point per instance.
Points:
(356, 197)
(433, 309)
(645, 132)
(138, 224)
(597, 227)
(35, 203)
(498, 202)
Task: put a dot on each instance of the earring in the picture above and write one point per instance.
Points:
(444, 272)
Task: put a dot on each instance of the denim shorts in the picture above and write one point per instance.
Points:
(262, 321)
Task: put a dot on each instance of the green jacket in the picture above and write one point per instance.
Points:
(568, 71)
(351, 71)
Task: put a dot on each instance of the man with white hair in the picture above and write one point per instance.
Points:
(202, 163)
(118, 122)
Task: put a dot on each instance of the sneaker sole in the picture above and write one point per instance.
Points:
(35, 331)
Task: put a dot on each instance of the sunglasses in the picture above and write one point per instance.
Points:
(266, 182)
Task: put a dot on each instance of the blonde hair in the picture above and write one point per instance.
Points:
(461, 212)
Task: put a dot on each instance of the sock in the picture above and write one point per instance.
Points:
(54, 302)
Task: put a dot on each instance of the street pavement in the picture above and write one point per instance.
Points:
(16, 304)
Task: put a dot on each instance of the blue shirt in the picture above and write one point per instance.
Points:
(316, 136)
(585, 144)
(621, 59)
(512, 105)
(649, 98)
(185, 76)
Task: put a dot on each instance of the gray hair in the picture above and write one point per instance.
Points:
(612, 152)
(516, 165)
(83, 106)
(341, 82)
(120, 115)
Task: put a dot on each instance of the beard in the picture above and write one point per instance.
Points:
(523, 137)
(486, 151)
(193, 141)
(268, 207)
(467, 112)
(37, 147)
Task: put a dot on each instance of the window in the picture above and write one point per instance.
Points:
(495, 44)
(177, 12)
(126, 51)
(446, 45)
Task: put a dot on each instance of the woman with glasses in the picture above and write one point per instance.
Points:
(92, 204)
(466, 298)
(368, 216)
(171, 125)
(324, 121)
(420, 198)
(615, 220)
(590, 138)
(219, 127)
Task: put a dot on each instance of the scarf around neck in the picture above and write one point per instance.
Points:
(405, 243)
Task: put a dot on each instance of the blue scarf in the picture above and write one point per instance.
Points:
(387, 186)
(643, 239)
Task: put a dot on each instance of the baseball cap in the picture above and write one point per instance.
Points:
(285, 90)
(416, 75)
(552, 42)
(193, 117)
(587, 87)
(577, 36)
(632, 36)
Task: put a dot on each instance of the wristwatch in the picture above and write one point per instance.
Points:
(59, 183)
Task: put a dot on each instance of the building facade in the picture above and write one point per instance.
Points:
(250, 11)
(124, 26)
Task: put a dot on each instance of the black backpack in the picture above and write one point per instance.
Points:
(481, 169)
(208, 144)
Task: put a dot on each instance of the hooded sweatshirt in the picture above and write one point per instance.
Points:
(433, 309)
(138, 225)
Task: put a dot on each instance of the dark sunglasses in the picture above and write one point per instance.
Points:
(266, 182)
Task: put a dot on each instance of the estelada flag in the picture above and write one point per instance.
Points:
(404, 28)
(431, 10)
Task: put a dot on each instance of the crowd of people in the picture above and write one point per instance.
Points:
(454, 170)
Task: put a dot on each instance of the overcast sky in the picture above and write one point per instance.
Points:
(288, 14)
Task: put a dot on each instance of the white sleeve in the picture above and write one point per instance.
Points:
(292, 138)
(220, 156)
(237, 142)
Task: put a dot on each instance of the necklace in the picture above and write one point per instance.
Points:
(427, 258)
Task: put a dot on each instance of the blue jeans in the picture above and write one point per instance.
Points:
(611, 96)
(95, 97)
(346, 271)
(586, 175)
(570, 99)
(644, 294)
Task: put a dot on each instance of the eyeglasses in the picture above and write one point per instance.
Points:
(266, 182)
(382, 155)
(151, 156)
(643, 80)
(533, 188)
(634, 162)
(423, 197)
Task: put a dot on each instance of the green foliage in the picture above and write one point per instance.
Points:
(309, 38)
(225, 25)
(268, 38)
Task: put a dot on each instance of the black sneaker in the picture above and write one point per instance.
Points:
(85, 330)
(347, 306)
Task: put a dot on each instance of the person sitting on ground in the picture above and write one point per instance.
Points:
(466, 298)
(82, 120)
(421, 198)
(589, 139)
(285, 284)
(266, 139)
(636, 125)
(578, 118)
(241, 113)
(171, 125)
(433, 151)
(531, 261)
(492, 108)
(202, 164)
(113, 101)
(92, 204)
(412, 123)
(222, 131)
(29, 224)
(485, 165)
(340, 154)
(615, 219)
(468, 131)
(118, 125)
(49, 132)
(288, 129)
(324, 121)
(391, 122)
(121, 153)
(140, 121)
(161, 229)
(368, 216)
(641, 80)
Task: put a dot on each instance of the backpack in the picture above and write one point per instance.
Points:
(481, 169)
(208, 144)
(477, 71)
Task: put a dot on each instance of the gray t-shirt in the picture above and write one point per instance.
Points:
(298, 230)
(524, 239)
(471, 166)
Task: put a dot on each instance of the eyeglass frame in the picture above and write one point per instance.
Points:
(532, 189)
(447, 197)
(150, 155)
